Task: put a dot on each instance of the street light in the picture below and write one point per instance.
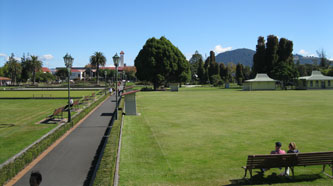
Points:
(116, 63)
(68, 63)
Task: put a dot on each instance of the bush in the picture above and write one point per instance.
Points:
(216, 80)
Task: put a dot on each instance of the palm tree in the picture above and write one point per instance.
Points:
(35, 66)
(96, 60)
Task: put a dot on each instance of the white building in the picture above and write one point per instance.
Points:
(316, 81)
(122, 59)
(260, 82)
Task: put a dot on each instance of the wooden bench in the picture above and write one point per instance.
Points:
(57, 112)
(289, 160)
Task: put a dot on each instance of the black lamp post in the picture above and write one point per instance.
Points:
(116, 63)
(68, 63)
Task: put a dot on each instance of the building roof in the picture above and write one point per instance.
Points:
(4, 79)
(316, 75)
(45, 69)
(261, 78)
(122, 52)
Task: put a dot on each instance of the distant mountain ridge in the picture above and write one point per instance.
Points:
(245, 56)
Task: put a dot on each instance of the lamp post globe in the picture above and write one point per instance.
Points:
(116, 63)
(68, 63)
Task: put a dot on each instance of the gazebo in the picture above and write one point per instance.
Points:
(316, 81)
(260, 82)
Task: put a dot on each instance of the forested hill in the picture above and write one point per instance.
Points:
(245, 56)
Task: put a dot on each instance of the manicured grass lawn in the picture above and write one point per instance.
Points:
(202, 136)
(45, 93)
(17, 123)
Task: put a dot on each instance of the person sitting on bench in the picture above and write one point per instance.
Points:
(278, 149)
(71, 103)
(292, 149)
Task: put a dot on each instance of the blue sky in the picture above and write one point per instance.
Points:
(50, 28)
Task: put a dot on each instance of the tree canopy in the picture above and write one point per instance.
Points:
(159, 61)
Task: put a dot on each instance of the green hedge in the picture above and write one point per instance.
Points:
(107, 167)
(10, 170)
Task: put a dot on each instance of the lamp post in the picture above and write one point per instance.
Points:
(68, 63)
(116, 63)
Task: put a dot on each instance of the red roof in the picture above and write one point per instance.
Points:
(131, 92)
(122, 52)
(4, 79)
(112, 68)
(45, 69)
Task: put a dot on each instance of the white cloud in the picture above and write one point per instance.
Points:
(305, 53)
(3, 55)
(47, 57)
(219, 49)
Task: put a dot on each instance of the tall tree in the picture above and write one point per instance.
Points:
(96, 60)
(271, 57)
(213, 68)
(35, 66)
(259, 57)
(284, 69)
(201, 72)
(222, 71)
(159, 61)
(324, 63)
(239, 74)
(26, 68)
(194, 62)
(14, 68)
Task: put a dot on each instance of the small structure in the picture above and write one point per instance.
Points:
(316, 81)
(174, 87)
(5, 81)
(130, 102)
(129, 88)
(260, 82)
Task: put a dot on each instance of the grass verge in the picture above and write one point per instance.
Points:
(106, 171)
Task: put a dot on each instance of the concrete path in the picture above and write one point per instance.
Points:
(68, 164)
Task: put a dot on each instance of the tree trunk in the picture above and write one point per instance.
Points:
(155, 86)
(97, 74)
(34, 77)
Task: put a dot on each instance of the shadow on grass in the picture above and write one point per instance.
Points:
(6, 125)
(259, 179)
(51, 121)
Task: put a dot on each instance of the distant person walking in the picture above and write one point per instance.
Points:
(35, 178)
(110, 90)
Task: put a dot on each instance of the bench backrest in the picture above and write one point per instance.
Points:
(289, 160)
(315, 158)
(58, 111)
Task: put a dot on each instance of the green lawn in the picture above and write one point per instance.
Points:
(202, 136)
(45, 93)
(17, 123)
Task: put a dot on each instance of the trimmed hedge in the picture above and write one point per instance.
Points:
(107, 168)
(10, 170)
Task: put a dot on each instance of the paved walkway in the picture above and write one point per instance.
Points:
(68, 164)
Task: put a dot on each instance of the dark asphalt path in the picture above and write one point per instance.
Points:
(68, 163)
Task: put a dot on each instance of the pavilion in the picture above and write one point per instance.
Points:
(316, 81)
(260, 82)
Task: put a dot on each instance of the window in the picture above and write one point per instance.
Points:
(317, 83)
(329, 83)
(311, 83)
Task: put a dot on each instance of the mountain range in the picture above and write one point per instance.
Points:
(245, 56)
